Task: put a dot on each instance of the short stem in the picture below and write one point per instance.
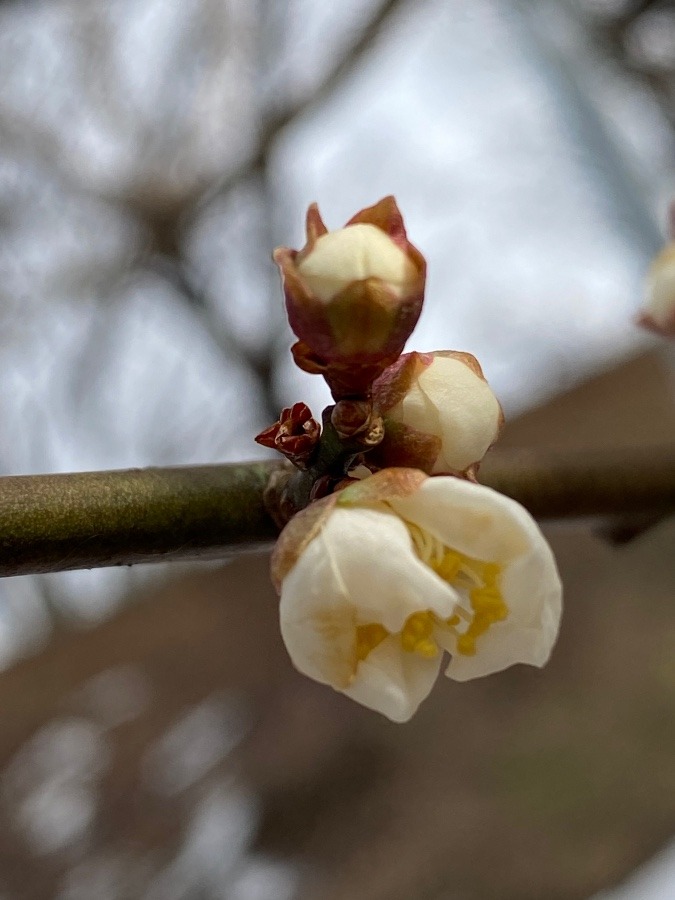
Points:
(332, 460)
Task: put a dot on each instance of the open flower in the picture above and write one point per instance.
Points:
(658, 313)
(442, 396)
(353, 296)
(377, 580)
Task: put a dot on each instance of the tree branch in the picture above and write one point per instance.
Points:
(51, 523)
(274, 124)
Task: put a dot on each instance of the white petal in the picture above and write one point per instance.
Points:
(392, 681)
(417, 411)
(467, 408)
(360, 569)
(486, 525)
(533, 593)
(449, 400)
(317, 619)
(470, 517)
(379, 569)
(352, 254)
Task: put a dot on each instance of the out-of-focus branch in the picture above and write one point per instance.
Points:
(603, 483)
(333, 78)
(51, 523)
(610, 36)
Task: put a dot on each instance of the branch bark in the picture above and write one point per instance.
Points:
(51, 523)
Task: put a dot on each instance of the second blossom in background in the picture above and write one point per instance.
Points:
(658, 313)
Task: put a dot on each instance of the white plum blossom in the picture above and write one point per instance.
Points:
(658, 312)
(379, 579)
(444, 395)
(355, 253)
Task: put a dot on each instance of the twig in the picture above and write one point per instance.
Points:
(51, 523)
(276, 122)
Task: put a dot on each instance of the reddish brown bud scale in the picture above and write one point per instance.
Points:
(404, 446)
(658, 311)
(350, 417)
(387, 216)
(394, 383)
(314, 226)
(295, 435)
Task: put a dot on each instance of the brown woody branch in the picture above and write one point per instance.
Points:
(51, 523)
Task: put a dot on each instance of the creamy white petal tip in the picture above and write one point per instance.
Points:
(352, 254)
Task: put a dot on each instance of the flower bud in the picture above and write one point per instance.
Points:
(440, 413)
(296, 434)
(353, 296)
(378, 580)
(658, 312)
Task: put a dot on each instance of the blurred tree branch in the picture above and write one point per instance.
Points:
(273, 124)
(51, 523)
(611, 37)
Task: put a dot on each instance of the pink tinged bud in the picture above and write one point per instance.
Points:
(353, 296)
(440, 413)
(658, 312)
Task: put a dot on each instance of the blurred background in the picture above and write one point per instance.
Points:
(156, 742)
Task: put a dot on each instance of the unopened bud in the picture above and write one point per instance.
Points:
(296, 434)
(440, 413)
(353, 296)
(351, 417)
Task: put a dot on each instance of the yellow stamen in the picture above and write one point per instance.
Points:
(466, 644)
(479, 579)
(416, 635)
(475, 579)
(427, 649)
(449, 566)
(489, 602)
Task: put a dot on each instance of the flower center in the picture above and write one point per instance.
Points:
(485, 598)
(476, 580)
